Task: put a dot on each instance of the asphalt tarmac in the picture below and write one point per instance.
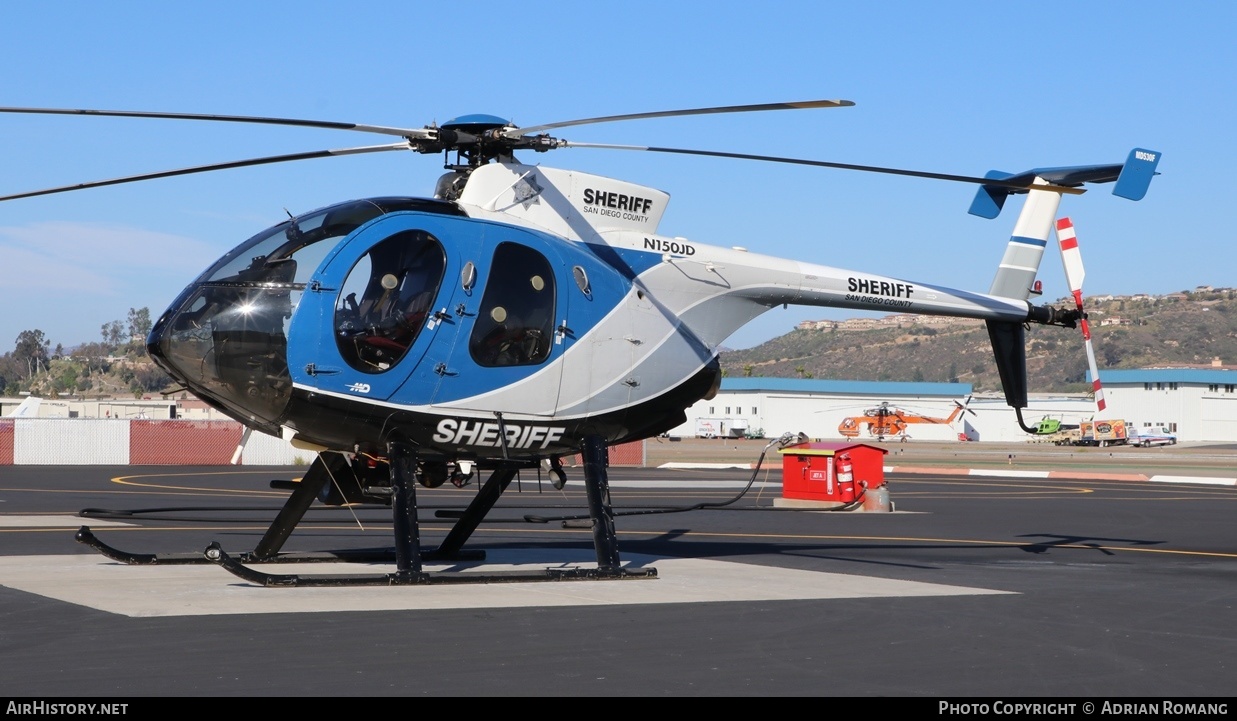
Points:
(973, 586)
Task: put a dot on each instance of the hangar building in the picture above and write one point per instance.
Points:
(1199, 405)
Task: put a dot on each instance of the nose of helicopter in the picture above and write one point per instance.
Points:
(227, 344)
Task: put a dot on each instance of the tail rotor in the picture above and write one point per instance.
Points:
(962, 408)
(1071, 257)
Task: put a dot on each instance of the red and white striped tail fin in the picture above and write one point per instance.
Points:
(1071, 258)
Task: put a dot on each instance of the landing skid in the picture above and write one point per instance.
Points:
(407, 554)
(371, 555)
(417, 578)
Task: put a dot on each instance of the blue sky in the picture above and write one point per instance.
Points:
(952, 87)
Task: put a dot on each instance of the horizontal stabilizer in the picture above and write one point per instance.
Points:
(989, 199)
(1133, 177)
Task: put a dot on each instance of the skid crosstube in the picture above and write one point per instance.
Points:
(407, 553)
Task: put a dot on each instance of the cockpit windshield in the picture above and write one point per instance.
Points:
(291, 251)
(226, 337)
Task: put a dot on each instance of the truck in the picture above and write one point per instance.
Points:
(721, 427)
(1112, 432)
(1067, 437)
(711, 427)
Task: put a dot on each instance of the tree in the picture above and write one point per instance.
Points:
(10, 374)
(139, 322)
(149, 378)
(66, 376)
(113, 333)
(32, 351)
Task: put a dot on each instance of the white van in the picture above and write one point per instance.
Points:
(1151, 436)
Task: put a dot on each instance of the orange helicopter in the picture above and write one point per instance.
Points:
(886, 421)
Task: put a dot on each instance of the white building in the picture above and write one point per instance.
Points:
(1198, 405)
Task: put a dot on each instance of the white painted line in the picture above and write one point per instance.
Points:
(1008, 474)
(53, 521)
(1195, 479)
(676, 464)
(179, 590)
(685, 483)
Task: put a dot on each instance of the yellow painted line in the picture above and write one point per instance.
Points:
(127, 481)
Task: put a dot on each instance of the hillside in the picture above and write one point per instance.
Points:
(1180, 329)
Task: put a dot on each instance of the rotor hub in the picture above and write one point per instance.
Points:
(476, 124)
(476, 138)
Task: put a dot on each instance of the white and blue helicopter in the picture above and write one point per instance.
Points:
(521, 315)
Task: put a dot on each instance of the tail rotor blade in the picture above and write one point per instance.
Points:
(1071, 258)
(1095, 373)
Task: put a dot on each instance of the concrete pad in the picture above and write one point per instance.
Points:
(54, 521)
(180, 590)
(806, 503)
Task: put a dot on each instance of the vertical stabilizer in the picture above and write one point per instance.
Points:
(29, 408)
(1015, 277)
(1016, 274)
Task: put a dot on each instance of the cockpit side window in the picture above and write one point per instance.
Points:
(386, 299)
(515, 320)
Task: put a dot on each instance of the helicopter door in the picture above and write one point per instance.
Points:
(369, 314)
(510, 338)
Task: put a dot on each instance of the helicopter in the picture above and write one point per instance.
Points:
(520, 315)
(1049, 425)
(886, 421)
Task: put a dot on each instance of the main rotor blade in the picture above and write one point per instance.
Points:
(826, 164)
(215, 166)
(521, 132)
(411, 134)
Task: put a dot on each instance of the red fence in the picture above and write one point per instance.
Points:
(624, 454)
(6, 443)
(186, 443)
